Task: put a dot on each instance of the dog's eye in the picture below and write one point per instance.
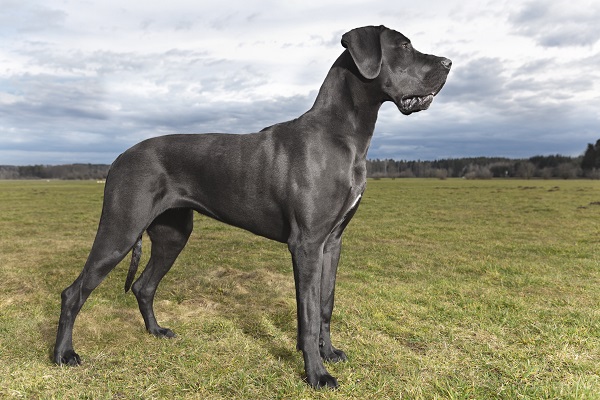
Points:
(405, 45)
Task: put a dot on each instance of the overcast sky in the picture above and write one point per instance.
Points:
(81, 81)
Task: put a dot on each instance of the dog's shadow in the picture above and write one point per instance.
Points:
(259, 300)
(260, 303)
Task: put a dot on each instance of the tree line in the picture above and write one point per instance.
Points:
(546, 167)
(555, 166)
(70, 171)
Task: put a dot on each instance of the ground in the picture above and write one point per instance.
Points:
(446, 289)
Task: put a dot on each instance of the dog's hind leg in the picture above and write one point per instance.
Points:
(169, 233)
(112, 243)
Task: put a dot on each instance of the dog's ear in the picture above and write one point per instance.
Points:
(365, 47)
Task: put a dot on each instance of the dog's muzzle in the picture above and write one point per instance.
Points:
(411, 104)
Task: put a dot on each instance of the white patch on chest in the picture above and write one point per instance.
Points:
(356, 201)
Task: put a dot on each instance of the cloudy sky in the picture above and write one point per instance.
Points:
(81, 81)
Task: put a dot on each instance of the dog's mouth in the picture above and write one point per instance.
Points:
(411, 104)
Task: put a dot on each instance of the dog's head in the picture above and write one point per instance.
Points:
(407, 77)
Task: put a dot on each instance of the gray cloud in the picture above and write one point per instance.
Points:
(70, 92)
(21, 17)
(559, 24)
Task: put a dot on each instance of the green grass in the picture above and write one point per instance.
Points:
(447, 290)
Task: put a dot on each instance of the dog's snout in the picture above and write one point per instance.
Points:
(446, 63)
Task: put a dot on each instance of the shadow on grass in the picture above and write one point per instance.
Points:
(259, 303)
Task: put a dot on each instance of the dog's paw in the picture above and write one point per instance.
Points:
(333, 355)
(68, 357)
(163, 332)
(323, 381)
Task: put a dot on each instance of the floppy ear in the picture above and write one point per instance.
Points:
(365, 47)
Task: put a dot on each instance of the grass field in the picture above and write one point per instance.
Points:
(448, 289)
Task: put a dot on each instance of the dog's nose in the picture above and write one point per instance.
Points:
(446, 63)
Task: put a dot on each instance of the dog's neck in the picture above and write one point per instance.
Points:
(346, 96)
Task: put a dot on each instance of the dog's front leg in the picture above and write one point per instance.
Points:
(308, 266)
(331, 257)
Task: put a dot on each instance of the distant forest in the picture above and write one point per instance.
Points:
(70, 171)
(545, 167)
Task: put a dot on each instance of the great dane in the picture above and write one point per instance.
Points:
(298, 182)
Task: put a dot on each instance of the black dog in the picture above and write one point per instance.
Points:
(298, 182)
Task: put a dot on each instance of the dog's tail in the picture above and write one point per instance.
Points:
(136, 254)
